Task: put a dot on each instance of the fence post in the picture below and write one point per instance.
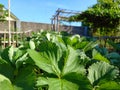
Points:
(4, 41)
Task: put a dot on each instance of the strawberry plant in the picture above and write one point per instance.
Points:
(69, 64)
(67, 67)
(54, 61)
(15, 66)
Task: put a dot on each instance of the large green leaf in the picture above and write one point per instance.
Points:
(81, 45)
(52, 49)
(97, 56)
(13, 55)
(75, 39)
(61, 84)
(79, 79)
(25, 79)
(90, 46)
(71, 81)
(44, 62)
(101, 70)
(111, 85)
(67, 40)
(5, 83)
(6, 69)
(18, 53)
(19, 62)
(41, 81)
(49, 57)
(5, 54)
(72, 62)
(50, 61)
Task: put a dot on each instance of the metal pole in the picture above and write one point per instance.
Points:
(9, 23)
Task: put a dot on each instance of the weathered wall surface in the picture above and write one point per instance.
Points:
(25, 26)
(34, 26)
(4, 26)
(75, 30)
(38, 26)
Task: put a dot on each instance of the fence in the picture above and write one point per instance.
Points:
(16, 37)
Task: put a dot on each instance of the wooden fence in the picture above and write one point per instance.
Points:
(16, 37)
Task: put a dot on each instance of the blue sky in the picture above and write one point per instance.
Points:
(42, 10)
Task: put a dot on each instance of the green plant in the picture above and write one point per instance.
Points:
(15, 65)
(67, 67)
(58, 62)
(3, 13)
(103, 17)
(63, 65)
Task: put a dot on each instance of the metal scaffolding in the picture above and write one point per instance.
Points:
(60, 16)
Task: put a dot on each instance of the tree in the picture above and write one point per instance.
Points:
(103, 16)
(3, 13)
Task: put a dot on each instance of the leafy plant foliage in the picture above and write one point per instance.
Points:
(103, 16)
(3, 13)
(53, 61)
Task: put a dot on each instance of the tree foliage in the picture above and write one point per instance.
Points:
(3, 13)
(105, 16)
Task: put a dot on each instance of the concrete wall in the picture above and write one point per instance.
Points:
(25, 26)
(38, 26)
(34, 26)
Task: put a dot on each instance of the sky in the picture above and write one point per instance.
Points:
(42, 10)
